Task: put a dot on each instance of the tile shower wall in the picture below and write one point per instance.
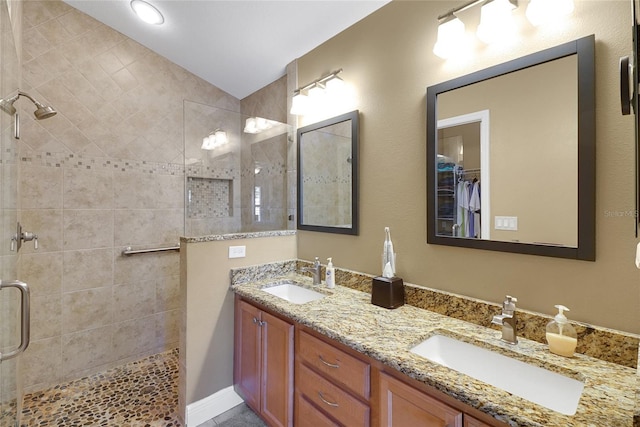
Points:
(264, 164)
(213, 176)
(105, 173)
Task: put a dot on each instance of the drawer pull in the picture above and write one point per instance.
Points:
(331, 365)
(332, 404)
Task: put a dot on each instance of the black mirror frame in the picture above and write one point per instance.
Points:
(354, 229)
(586, 250)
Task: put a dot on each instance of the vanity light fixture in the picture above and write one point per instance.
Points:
(316, 91)
(214, 140)
(257, 125)
(496, 22)
(147, 12)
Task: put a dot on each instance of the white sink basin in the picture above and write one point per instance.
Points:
(538, 385)
(292, 292)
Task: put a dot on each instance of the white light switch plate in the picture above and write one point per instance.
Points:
(237, 251)
(509, 223)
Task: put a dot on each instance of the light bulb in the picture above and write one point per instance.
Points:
(208, 142)
(548, 11)
(451, 38)
(299, 104)
(221, 137)
(250, 125)
(496, 23)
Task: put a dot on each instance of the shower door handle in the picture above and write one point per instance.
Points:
(25, 317)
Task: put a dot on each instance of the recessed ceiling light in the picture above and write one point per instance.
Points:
(147, 12)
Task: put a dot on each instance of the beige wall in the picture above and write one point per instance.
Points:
(206, 347)
(388, 58)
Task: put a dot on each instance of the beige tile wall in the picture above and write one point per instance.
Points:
(270, 154)
(105, 173)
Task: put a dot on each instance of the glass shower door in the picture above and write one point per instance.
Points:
(10, 298)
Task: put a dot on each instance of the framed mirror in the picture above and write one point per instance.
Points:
(328, 175)
(511, 156)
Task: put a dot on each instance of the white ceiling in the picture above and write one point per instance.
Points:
(239, 46)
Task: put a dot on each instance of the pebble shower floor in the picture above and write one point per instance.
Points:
(143, 393)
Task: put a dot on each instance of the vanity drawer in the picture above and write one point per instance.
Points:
(308, 415)
(334, 401)
(335, 364)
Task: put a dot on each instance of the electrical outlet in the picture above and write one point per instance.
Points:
(237, 251)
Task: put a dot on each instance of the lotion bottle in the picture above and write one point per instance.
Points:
(330, 275)
(561, 336)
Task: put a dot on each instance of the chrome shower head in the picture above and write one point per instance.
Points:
(6, 105)
(42, 111)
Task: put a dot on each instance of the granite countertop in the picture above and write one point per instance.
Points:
(347, 315)
(236, 236)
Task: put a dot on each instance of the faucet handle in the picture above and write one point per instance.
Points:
(317, 262)
(509, 304)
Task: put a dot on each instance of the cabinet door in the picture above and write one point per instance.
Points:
(248, 353)
(472, 422)
(402, 405)
(277, 371)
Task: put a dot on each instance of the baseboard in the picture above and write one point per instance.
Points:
(211, 406)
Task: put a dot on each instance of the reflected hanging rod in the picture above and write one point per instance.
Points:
(129, 251)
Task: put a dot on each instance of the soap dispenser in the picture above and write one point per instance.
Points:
(561, 336)
(330, 275)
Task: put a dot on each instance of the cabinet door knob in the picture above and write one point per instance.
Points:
(331, 365)
(332, 404)
(255, 320)
(262, 323)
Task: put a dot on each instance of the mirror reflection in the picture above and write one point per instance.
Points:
(521, 178)
(511, 155)
(327, 172)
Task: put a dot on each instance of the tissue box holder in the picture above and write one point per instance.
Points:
(387, 292)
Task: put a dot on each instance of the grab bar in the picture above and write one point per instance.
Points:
(129, 251)
(25, 318)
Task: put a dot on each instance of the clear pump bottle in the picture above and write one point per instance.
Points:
(561, 336)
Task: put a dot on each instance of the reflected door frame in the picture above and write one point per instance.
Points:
(481, 116)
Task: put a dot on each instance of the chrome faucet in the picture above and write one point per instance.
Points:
(507, 320)
(315, 271)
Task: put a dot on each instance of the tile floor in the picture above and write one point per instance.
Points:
(143, 393)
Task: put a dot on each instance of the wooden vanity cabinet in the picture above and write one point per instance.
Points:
(334, 384)
(332, 387)
(263, 366)
(402, 405)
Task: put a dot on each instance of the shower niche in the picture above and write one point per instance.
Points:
(235, 170)
(209, 198)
